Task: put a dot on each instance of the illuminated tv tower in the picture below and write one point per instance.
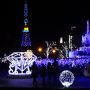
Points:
(26, 42)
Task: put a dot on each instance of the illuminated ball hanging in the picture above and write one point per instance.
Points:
(66, 78)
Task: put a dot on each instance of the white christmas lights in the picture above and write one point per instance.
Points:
(20, 62)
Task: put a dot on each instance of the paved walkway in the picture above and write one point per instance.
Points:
(80, 82)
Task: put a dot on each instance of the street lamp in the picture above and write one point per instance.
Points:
(39, 49)
(54, 51)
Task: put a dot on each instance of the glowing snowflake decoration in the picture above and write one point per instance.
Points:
(66, 78)
(20, 62)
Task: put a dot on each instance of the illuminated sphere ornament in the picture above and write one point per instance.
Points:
(66, 78)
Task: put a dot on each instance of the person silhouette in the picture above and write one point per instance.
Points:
(49, 70)
(55, 71)
(43, 73)
(34, 69)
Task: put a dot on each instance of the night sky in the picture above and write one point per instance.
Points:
(49, 19)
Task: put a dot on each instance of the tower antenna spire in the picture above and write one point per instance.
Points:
(25, 13)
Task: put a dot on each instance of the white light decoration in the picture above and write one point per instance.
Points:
(20, 62)
(70, 42)
(66, 78)
(61, 40)
(49, 48)
(4, 59)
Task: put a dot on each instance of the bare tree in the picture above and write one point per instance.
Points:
(49, 47)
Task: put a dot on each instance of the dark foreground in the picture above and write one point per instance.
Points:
(54, 83)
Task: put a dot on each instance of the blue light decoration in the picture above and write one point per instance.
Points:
(26, 42)
(25, 21)
(25, 9)
(87, 70)
(84, 50)
(25, 12)
(20, 62)
(66, 78)
(25, 39)
(71, 62)
(86, 37)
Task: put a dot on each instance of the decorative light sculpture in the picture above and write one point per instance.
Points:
(86, 37)
(20, 62)
(66, 78)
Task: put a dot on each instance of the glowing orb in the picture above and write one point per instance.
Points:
(54, 51)
(40, 49)
(66, 78)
